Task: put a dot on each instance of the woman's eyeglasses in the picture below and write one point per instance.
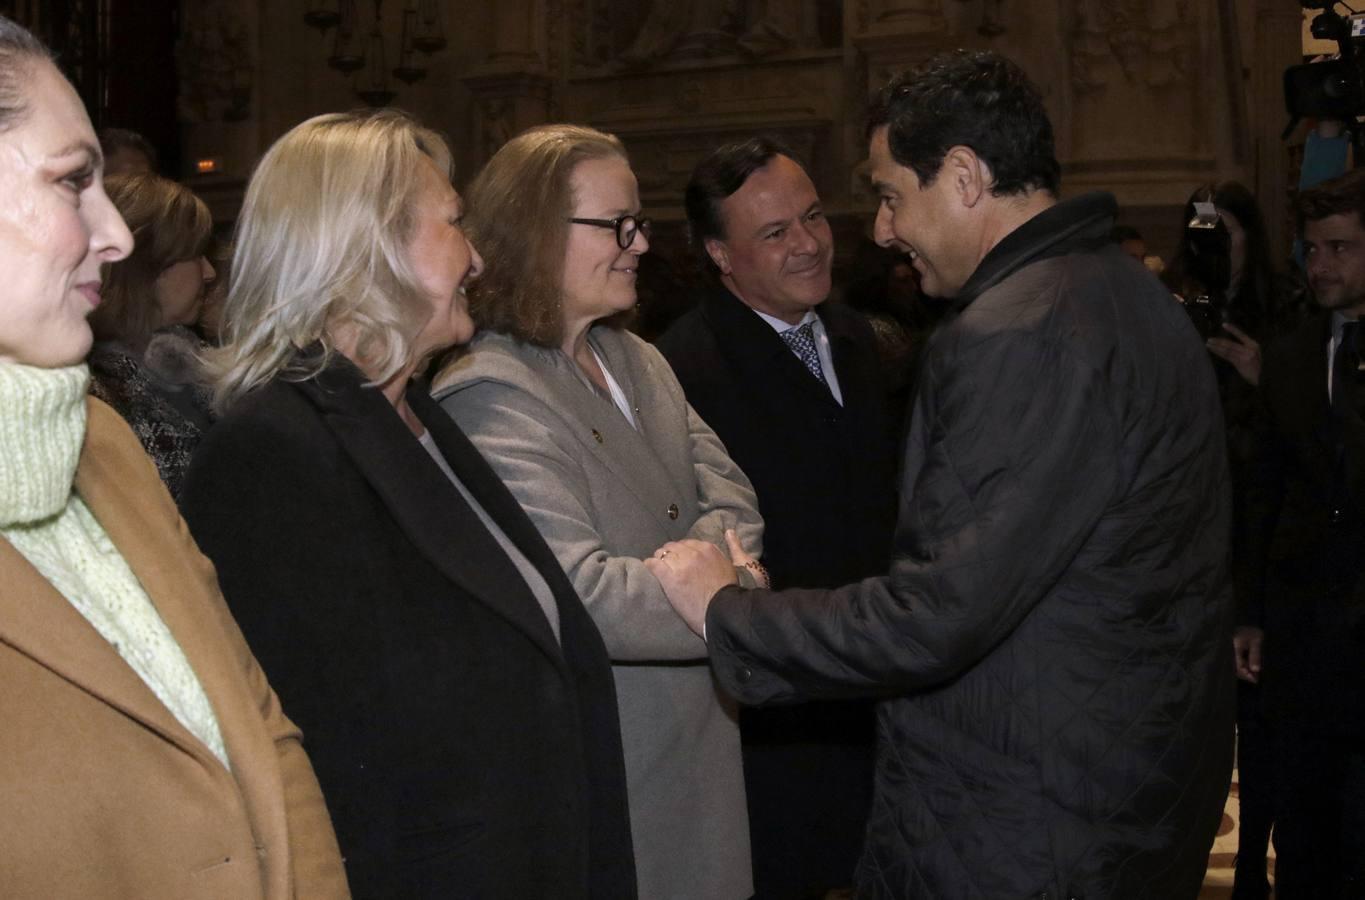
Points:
(626, 227)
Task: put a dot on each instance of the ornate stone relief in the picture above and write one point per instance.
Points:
(215, 64)
(1150, 40)
(900, 16)
(1140, 87)
(626, 34)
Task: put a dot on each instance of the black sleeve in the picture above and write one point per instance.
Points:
(1018, 465)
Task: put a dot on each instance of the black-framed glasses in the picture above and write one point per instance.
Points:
(626, 227)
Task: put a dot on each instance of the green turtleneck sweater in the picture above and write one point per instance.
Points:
(42, 428)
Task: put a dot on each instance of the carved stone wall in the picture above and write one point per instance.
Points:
(1148, 97)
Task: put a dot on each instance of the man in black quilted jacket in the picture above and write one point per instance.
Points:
(1053, 639)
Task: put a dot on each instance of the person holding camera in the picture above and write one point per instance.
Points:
(1223, 273)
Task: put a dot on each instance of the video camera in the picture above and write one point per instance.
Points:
(1333, 88)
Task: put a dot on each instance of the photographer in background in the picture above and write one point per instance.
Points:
(1223, 274)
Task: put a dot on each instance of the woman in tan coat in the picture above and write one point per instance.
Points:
(144, 754)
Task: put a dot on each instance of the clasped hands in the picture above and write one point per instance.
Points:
(692, 571)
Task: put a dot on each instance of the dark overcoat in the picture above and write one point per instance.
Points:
(463, 752)
(824, 474)
(1305, 578)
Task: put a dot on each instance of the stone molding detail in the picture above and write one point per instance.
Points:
(627, 35)
(1141, 83)
(505, 106)
(1150, 40)
(904, 17)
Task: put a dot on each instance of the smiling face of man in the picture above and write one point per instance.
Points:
(928, 222)
(777, 247)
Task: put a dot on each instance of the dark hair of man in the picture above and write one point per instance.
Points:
(975, 99)
(1342, 195)
(1121, 233)
(112, 139)
(19, 49)
(718, 176)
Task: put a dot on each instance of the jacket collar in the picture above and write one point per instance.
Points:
(1079, 223)
(752, 342)
(427, 506)
(600, 429)
(112, 478)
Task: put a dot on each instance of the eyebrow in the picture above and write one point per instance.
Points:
(82, 146)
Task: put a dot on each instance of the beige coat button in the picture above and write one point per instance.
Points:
(597, 435)
(672, 510)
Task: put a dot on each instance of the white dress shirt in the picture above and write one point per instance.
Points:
(821, 346)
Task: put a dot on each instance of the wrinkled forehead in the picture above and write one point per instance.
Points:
(54, 123)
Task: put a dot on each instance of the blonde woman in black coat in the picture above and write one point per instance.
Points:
(457, 699)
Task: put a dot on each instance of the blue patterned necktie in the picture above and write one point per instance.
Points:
(801, 340)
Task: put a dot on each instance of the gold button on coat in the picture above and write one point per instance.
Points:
(672, 510)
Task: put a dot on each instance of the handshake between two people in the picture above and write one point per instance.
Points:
(692, 571)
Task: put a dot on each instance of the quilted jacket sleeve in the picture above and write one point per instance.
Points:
(1016, 446)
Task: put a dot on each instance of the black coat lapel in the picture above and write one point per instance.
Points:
(754, 348)
(1310, 381)
(423, 501)
(478, 476)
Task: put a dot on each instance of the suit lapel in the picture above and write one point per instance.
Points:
(423, 501)
(755, 349)
(479, 478)
(42, 624)
(1311, 376)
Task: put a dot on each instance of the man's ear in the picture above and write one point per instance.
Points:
(969, 175)
(719, 254)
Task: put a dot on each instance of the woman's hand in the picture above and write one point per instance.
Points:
(692, 571)
(1244, 352)
(742, 560)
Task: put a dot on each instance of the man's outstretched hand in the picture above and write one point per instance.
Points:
(691, 573)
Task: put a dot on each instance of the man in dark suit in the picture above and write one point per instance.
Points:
(790, 383)
(1302, 632)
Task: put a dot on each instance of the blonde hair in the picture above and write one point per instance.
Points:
(321, 243)
(169, 225)
(519, 207)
